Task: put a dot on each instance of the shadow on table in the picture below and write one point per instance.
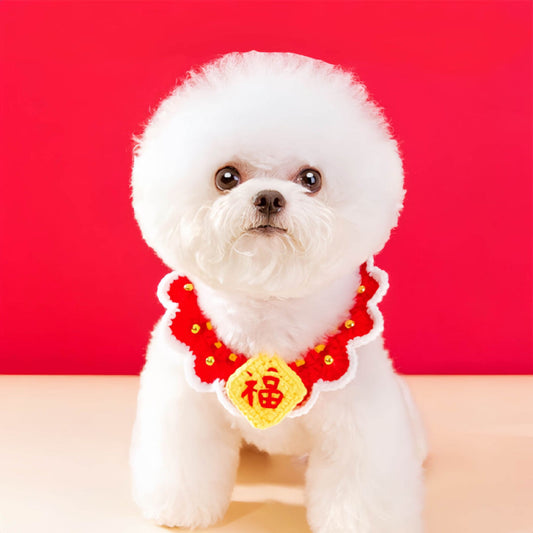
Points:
(266, 517)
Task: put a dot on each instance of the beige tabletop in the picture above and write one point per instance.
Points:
(64, 459)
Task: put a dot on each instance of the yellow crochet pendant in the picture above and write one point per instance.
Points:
(265, 390)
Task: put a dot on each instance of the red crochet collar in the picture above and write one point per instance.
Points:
(329, 365)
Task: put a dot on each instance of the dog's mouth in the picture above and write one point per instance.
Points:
(267, 229)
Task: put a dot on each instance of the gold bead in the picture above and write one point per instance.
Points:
(299, 362)
(328, 359)
(232, 357)
(349, 324)
(361, 289)
(188, 287)
(209, 326)
(210, 361)
(320, 348)
(218, 344)
(195, 328)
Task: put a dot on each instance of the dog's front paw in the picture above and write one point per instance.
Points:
(350, 510)
(334, 517)
(352, 506)
(178, 507)
(348, 517)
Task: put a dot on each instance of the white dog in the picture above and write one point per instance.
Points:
(270, 180)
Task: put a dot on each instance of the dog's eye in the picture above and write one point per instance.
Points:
(226, 178)
(311, 179)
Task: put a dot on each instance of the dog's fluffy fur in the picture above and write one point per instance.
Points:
(270, 115)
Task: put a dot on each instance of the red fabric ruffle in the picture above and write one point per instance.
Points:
(214, 360)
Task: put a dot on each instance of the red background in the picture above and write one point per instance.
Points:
(77, 283)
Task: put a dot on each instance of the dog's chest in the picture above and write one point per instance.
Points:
(283, 327)
(288, 437)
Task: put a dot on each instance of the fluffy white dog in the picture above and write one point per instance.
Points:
(270, 180)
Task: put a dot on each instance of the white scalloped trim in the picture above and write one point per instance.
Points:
(218, 386)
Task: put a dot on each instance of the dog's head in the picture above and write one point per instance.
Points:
(268, 174)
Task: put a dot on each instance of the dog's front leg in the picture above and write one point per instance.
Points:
(365, 468)
(184, 454)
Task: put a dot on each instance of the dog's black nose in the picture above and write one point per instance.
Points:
(269, 202)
